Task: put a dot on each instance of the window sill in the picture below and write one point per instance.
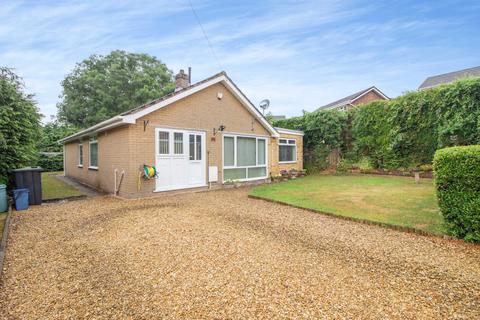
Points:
(93, 168)
(80, 166)
(286, 162)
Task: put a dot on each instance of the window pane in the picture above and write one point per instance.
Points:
(286, 153)
(291, 141)
(234, 174)
(94, 154)
(163, 145)
(80, 155)
(191, 144)
(257, 172)
(246, 153)
(228, 151)
(178, 143)
(261, 151)
(199, 148)
(282, 141)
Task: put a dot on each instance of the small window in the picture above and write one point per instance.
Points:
(93, 153)
(287, 150)
(163, 142)
(178, 143)
(261, 151)
(80, 155)
(195, 147)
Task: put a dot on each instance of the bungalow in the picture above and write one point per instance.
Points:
(201, 135)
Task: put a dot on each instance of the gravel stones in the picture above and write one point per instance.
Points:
(222, 255)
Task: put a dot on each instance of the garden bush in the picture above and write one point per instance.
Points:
(457, 180)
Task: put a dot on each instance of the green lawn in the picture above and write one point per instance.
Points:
(386, 199)
(52, 188)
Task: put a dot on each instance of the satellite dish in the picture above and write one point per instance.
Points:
(264, 104)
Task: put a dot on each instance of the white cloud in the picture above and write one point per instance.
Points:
(298, 54)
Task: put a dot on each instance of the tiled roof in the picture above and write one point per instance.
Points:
(437, 80)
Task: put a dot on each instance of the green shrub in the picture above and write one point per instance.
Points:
(364, 164)
(50, 163)
(457, 179)
(344, 165)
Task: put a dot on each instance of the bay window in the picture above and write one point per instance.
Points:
(244, 158)
(287, 150)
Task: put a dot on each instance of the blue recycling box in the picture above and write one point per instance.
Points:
(20, 196)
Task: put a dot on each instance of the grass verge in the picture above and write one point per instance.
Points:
(52, 188)
(390, 200)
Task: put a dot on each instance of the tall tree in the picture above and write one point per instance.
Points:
(48, 145)
(19, 124)
(103, 86)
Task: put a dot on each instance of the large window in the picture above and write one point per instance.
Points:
(244, 158)
(80, 155)
(93, 153)
(287, 150)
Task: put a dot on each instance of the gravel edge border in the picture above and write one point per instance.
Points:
(71, 198)
(368, 222)
(3, 243)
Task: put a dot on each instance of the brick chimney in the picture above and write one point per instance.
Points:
(181, 80)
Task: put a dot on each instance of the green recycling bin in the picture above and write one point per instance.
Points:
(3, 198)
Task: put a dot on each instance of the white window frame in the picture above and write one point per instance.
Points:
(195, 150)
(93, 140)
(80, 155)
(235, 166)
(288, 144)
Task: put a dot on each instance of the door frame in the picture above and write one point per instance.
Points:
(171, 155)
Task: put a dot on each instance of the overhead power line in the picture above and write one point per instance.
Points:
(205, 35)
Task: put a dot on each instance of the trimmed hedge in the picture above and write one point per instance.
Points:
(457, 179)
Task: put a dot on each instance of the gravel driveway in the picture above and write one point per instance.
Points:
(222, 255)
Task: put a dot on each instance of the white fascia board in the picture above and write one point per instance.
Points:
(290, 131)
(98, 127)
(373, 89)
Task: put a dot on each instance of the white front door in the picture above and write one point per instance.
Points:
(180, 159)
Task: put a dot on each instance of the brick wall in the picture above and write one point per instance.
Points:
(369, 97)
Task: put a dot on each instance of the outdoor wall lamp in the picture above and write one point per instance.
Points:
(220, 128)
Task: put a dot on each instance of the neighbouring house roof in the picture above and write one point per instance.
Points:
(437, 80)
(279, 117)
(130, 116)
(351, 98)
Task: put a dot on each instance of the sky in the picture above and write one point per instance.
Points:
(298, 54)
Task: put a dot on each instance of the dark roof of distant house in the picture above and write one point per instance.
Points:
(437, 80)
(351, 98)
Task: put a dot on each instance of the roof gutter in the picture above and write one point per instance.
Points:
(112, 122)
